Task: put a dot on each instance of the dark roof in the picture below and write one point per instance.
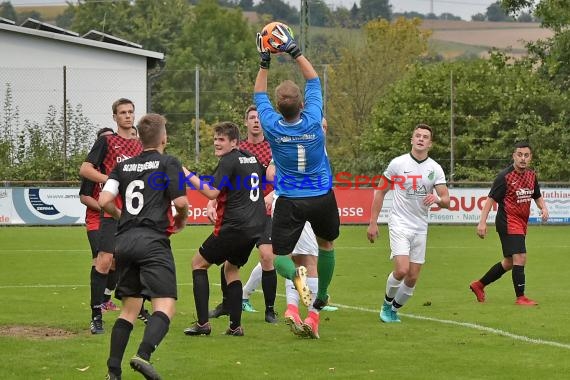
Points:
(39, 25)
(7, 21)
(104, 37)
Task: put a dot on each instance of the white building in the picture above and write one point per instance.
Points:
(42, 64)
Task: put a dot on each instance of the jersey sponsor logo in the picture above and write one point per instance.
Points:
(141, 167)
(304, 137)
(247, 160)
(524, 195)
(416, 191)
(117, 147)
(122, 158)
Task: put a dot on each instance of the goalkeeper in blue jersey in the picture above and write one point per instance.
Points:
(303, 173)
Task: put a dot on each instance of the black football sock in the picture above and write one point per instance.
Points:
(98, 282)
(112, 278)
(119, 339)
(494, 273)
(269, 286)
(519, 279)
(224, 286)
(201, 294)
(154, 333)
(234, 303)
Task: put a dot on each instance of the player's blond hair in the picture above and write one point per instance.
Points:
(152, 128)
(289, 99)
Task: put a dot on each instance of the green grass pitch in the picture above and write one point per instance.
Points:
(444, 334)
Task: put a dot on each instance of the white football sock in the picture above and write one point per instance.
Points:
(291, 293)
(403, 294)
(313, 284)
(253, 281)
(392, 285)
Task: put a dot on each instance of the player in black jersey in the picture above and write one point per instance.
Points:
(149, 185)
(236, 185)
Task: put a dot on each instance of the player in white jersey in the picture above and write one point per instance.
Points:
(413, 177)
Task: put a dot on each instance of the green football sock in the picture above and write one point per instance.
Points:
(325, 267)
(285, 267)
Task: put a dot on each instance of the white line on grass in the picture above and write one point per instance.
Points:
(468, 325)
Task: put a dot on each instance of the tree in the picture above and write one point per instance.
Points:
(449, 16)
(278, 10)
(65, 19)
(525, 17)
(496, 13)
(319, 13)
(496, 103)
(7, 11)
(113, 18)
(220, 42)
(246, 5)
(373, 9)
(478, 17)
(361, 78)
(551, 55)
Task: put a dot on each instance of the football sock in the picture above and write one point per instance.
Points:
(284, 266)
(255, 278)
(112, 278)
(234, 303)
(403, 295)
(494, 273)
(518, 279)
(201, 294)
(119, 339)
(313, 284)
(392, 286)
(269, 286)
(291, 293)
(98, 281)
(325, 268)
(154, 333)
(223, 285)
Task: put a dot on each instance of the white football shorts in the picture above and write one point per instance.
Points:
(408, 243)
(307, 244)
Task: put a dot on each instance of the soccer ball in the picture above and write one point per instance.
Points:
(271, 37)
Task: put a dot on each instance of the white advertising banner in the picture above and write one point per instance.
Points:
(45, 206)
(61, 206)
(466, 204)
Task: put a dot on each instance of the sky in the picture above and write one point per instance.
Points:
(462, 8)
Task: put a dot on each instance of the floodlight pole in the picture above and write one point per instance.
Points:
(451, 135)
(304, 26)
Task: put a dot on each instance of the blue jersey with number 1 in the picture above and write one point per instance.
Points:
(301, 162)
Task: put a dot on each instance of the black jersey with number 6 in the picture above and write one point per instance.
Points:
(240, 202)
(148, 183)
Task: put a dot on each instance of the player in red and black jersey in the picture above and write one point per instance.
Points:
(103, 157)
(513, 190)
(237, 187)
(149, 185)
(263, 273)
(89, 195)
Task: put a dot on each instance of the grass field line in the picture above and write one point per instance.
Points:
(468, 325)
